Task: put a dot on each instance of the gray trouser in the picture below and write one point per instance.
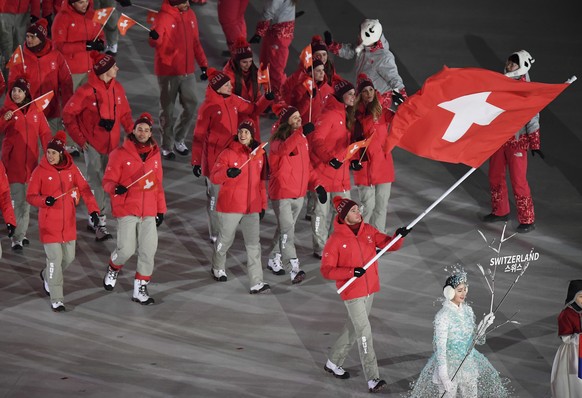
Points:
(79, 79)
(111, 31)
(170, 88)
(374, 202)
(96, 164)
(212, 191)
(311, 198)
(58, 257)
(321, 222)
(357, 328)
(287, 212)
(21, 210)
(12, 33)
(136, 234)
(227, 224)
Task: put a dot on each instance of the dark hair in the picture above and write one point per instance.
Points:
(282, 133)
(238, 79)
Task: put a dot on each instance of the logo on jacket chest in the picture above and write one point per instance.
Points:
(53, 65)
(370, 239)
(70, 177)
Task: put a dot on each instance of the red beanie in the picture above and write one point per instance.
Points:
(39, 29)
(242, 49)
(249, 125)
(144, 118)
(217, 79)
(102, 62)
(22, 84)
(317, 44)
(363, 82)
(57, 143)
(343, 206)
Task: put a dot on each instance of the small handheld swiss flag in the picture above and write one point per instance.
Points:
(124, 23)
(148, 182)
(76, 195)
(306, 57)
(101, 16)
(16, 58)
(44, 100)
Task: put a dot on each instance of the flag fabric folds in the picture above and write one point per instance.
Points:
(124, 23)
(306, 57)
(102, 15)
(463, 115)
(16, 58)
(147, 182)
(43, 101)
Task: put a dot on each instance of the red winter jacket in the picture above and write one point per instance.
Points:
(5, 200)
(93, 101)
(345, 251)
(330, 140)
(20, 7)
(289, 167)
(300, 100)
(217, 121)
(247, 192)
(126, 166)
(58, 223)
(377, 164)
(178, 44)
(46, 71)
(70, 33)
(20, 144)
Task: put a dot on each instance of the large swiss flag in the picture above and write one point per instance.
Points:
(463, 115)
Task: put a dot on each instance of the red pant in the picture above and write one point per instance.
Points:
(516, 161)
(231, 15)
(275, 51)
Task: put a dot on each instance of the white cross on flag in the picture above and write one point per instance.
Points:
(43, 101)
(306, 57)
(148, 182)
(124, 24)
(463, 115)
(76, 195)
(16, 58)
(102, 15)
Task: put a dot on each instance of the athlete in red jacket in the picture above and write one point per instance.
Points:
(175, 39)
(329, 143)
(133, 179)
(55, 187)
(6, 204)
(351, 245)
(242, 200)
(22, 129)
(15, 16)
(372, 167)
(217, 118)
(93, 117)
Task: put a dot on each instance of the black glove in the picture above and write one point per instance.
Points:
(540, 153)
(125, 3)
(327, 37)
(402, 231)
(159, 219)
(359, 271)
(97, 45)
(233, 172)
(197, 170)
(321, 194)
(49, 201)
(94, 218)
(336, 164)
(11, 228)
(308, 128)
(203, 75)
(313, 92)
(107, 124)
(255, 39)
(355, 165)
(120, 189)
(154, 35)
(33, 19)
(270, 95)
(397, 98)
(262, 214)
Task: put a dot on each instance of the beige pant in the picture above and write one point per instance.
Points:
(357, 329)
(211, 198)
(136, 235)
(21, 210)
(12, 33)
(374, 202)
(58, 257)
(322, 220)
(227, 225)
(96, 163)
(287, 212)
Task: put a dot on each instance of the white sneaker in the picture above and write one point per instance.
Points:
(17, 245)
(260, 288)
(110, 279)
(181, 148)
(168, 154)
(58, 306)
(337, 371)
(140, 292)
(111, 49)
(219, 275)
(275, 265)
(297, 275)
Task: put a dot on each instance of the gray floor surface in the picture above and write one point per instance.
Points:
(208, 339)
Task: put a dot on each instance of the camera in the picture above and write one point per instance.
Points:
(107, 124)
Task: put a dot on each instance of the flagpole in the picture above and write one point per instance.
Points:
(22, 54)
(103, 26)
(34, 100)
(311, 93)
(64, 193)
(140, 178)
(410, 226)
(143, 8)
(254, 152)
(137, 23)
